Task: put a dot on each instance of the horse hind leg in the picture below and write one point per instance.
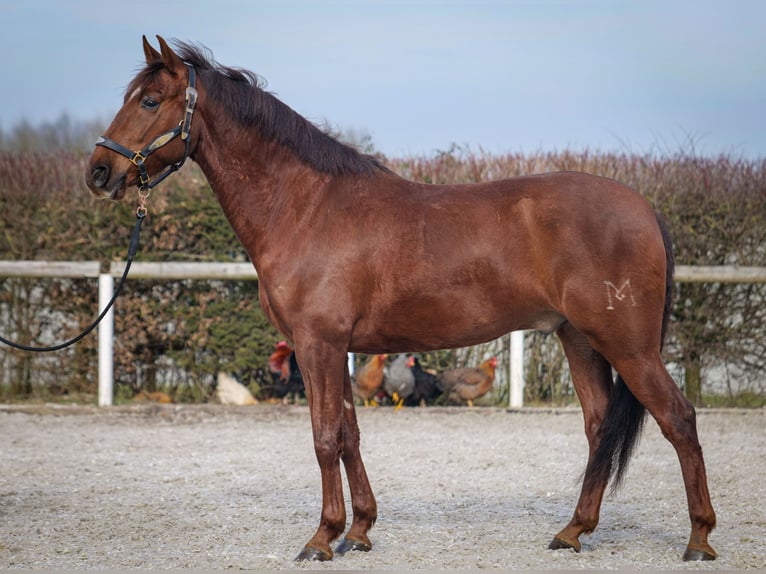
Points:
(650, 382)
(592, 380)
(363, 503)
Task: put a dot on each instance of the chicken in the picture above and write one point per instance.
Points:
(285, 375)
(291, 382)
(230, 391)
(278, 366)
(467, 384)
(399, 380)
(368, 379)
(426, 386)
(156, 397)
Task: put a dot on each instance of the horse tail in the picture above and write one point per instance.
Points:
(619, 433)
(669, 272)
(625, 415)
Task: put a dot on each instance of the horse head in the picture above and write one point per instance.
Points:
(146, 136)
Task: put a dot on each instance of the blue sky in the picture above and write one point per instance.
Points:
(608, 75)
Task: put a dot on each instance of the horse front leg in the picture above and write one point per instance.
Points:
(362, 499)
(322, 368)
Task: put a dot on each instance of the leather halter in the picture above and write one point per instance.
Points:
(183, 129)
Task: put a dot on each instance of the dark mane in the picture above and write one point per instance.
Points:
(240, 92)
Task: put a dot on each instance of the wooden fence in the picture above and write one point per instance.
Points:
(246, 272)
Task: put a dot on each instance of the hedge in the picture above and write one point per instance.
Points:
(176, 335)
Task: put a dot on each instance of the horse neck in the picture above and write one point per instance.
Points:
(260, 185)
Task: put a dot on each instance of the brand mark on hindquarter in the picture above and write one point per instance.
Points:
(619, 294)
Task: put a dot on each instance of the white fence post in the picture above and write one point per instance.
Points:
(105, 342)
(517, 369)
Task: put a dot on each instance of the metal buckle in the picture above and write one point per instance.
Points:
(138, 158)
(191, 101)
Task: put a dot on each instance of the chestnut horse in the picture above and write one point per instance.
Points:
(379, 264)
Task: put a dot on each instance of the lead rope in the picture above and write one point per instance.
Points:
(132, 249)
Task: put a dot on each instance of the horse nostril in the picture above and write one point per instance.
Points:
(99, 175)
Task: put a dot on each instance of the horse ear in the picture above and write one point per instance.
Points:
(172, 62)
(151, 54)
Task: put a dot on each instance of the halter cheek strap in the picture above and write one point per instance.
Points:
(183, 129)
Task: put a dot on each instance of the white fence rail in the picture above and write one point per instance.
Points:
(245, 271)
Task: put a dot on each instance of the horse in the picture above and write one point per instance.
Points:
(380, 264)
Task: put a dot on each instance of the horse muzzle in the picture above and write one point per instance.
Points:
(103, 184)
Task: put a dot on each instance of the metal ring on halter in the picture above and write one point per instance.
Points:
(143, 195)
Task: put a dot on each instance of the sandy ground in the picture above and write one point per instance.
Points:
(215, 487)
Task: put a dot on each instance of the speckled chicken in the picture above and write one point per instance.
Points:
(399, 380)
(467, 384)
(368, 380)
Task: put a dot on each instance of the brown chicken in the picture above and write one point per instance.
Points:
(158, 397)
(467, 384)
(368, 380)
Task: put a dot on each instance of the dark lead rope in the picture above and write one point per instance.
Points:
(183, 129)
(132, 249)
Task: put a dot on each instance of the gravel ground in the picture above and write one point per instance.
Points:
(215, 487)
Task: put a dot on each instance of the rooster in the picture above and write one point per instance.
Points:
(291, 382)
(368, 379)
(285, 374)
(399, 380)
(467, 384)
(278, 362)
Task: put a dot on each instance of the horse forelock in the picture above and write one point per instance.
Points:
(143, 77)
(242, 95)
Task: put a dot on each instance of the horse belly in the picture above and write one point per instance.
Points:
(459, 318)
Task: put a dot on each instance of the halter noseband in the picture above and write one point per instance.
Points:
(183, 129)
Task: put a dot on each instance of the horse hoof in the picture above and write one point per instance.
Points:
(561, 544)
(314, 555)
(698, 554)
(345, 545)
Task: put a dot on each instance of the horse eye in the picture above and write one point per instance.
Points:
(149, 103)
